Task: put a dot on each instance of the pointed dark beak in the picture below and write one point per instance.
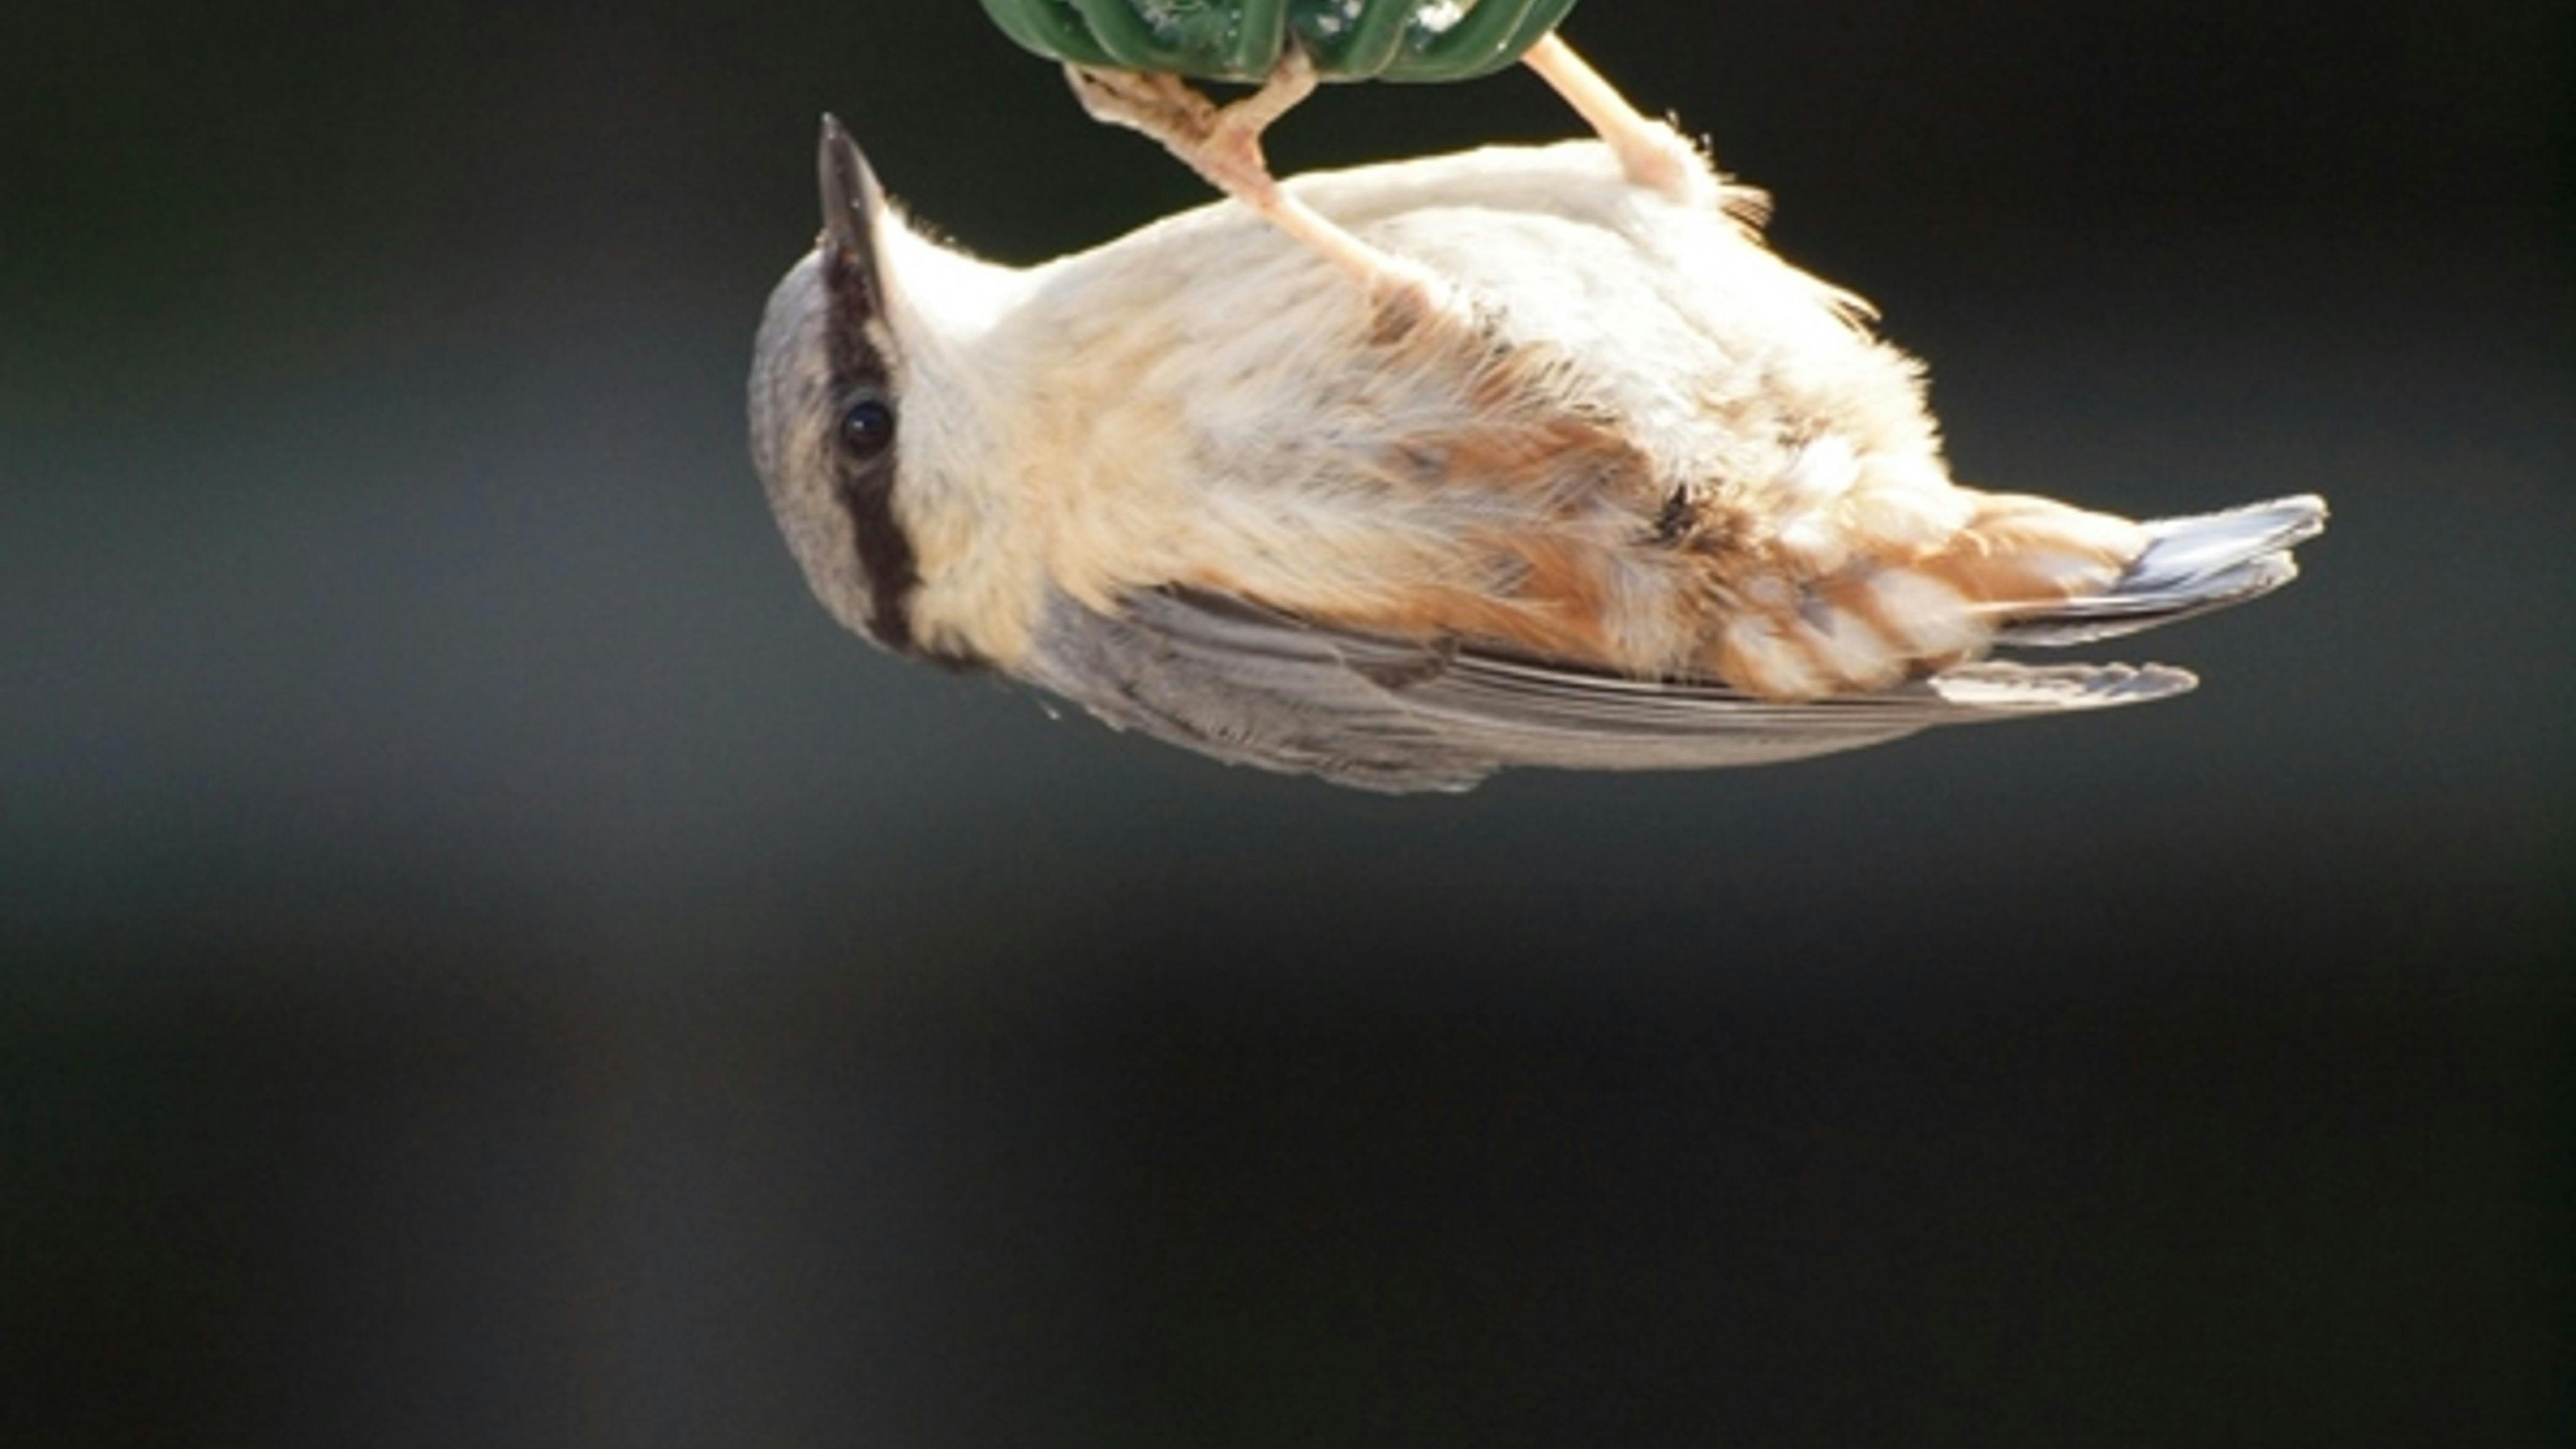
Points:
(851, 197)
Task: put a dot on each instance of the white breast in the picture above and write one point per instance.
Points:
(1197, 397)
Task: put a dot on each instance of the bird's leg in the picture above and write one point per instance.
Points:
(1652, 154)
(1223, 145)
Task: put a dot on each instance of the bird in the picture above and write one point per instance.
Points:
(1586, 478)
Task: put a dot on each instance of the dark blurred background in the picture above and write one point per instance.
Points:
(483, 961)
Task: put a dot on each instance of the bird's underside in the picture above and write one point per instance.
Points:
(1836, 592)
(1703, 470)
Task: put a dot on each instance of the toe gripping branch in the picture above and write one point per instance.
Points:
(1245, 40)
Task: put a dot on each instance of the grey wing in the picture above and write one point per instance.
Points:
(1249, 686)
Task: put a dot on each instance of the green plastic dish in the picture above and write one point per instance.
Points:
(1241, 40)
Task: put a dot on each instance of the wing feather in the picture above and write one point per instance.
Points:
(1251, 686)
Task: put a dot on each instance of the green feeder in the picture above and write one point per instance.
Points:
(1242, 40)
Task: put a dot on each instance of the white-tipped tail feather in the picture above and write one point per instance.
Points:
(2190, 566)
(2003, 687)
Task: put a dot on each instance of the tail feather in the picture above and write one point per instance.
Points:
(2190, 566)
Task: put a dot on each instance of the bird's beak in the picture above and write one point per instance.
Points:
(851, 197)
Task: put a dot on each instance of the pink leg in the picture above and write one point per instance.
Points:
(1649, 151)
(1223, 145)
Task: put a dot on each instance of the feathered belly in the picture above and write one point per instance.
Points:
(1665, 455)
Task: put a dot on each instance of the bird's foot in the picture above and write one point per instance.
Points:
(1223, 145)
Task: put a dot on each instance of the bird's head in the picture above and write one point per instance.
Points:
(855, 386)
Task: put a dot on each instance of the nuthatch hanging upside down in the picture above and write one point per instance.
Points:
(1595, 481)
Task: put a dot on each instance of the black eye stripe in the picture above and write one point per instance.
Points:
(866, 479)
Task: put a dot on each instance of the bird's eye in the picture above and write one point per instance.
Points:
(867, 427)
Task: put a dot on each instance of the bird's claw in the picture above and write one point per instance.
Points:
(1221, 143)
